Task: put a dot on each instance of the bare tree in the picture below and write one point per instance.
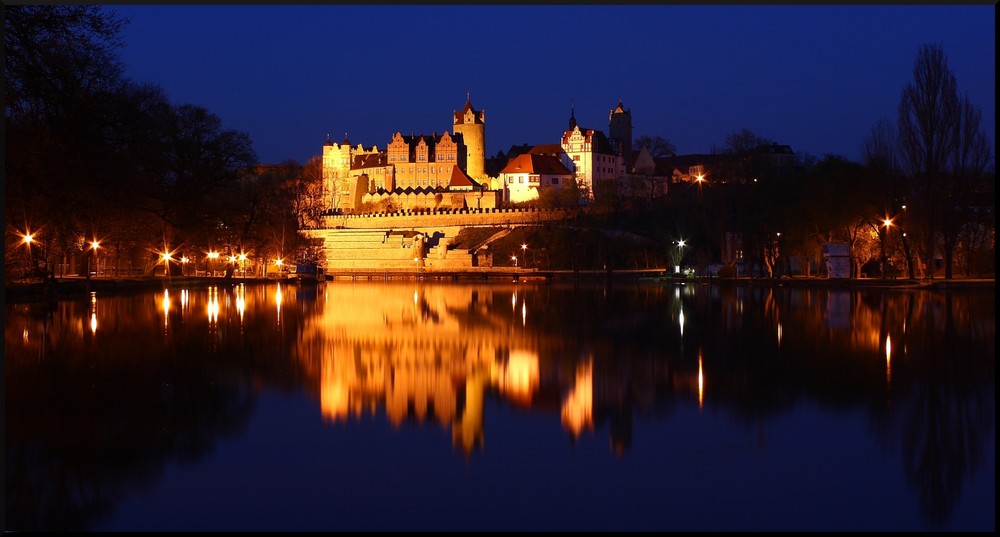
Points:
(929, 115)
(657, 146)
(944, 150)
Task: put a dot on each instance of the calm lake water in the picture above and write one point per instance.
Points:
(418, 406)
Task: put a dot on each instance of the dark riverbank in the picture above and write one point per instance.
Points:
(68, 288)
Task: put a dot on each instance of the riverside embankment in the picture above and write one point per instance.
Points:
(69, 288)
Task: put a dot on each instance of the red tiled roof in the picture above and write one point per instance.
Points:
(536, 164)
(459, 179)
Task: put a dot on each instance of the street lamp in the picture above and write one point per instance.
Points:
(514, 259)
(28, 239)
(94, 245)
(165, 257)
(524, 253)
(887, 222)
(212, 257)
(679, 255)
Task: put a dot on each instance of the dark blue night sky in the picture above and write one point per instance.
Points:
(816, 78)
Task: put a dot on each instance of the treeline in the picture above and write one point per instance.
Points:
(921, 203)
(94, 156)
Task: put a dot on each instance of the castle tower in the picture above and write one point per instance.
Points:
(472, 126)
(620, 132)
(336, 171)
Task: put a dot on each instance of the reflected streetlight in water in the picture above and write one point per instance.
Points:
(93, 312)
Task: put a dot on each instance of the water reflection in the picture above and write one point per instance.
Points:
(95, 415)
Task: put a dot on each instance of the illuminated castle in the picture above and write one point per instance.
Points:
(414, 172)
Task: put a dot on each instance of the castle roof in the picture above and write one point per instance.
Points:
(467, 108)
(368, 160)
(459, 179)
(536, 164)
(547, 149)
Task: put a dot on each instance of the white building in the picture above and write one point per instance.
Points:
(593, 156)
(526, 174)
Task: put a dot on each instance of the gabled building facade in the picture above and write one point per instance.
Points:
(592, 155)
(527, 174)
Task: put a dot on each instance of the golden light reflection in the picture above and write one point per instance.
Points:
(519, 377)
(212, 307)
(779, 334)
(277, 301)
(680, 320)
(93, 313)
(241, 301)
(336, 379)
(888, 358)
(166, 307)
(701, 383)
(524, 314)
(184, 299)
(578, 409)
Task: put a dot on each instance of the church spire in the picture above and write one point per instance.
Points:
(572, 116)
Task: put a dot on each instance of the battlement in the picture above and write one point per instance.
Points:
(414, 239)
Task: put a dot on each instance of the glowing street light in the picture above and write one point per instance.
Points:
(524, 253)
(94, 245)
(514, 259)
(679, 256)
(211, 257)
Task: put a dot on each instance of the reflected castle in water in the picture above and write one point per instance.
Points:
(595, 358)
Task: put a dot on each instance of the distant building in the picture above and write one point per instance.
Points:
(527, 174)
(620, 133)
(593, 157)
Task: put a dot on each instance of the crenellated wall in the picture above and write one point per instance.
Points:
(444, 217)
(411, 239)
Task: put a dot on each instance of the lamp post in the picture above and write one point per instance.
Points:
(524, 254)
(166, 257)
(211, 258)
(28, 239)
(679, 256)
(777, 251)
(94, 245)
(887, 222)
(514, 259)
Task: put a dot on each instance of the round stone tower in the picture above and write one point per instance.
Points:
(471, 124)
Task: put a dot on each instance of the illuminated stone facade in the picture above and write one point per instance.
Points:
(593, 156)
(414, 172)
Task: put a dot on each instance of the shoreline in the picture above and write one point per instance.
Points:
(76, 287)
